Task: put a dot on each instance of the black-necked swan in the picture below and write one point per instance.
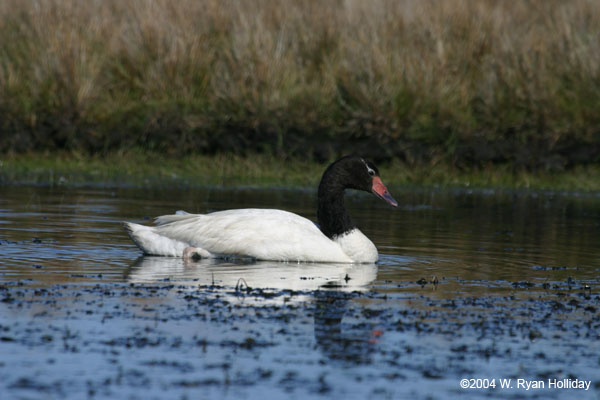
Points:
(266, 234)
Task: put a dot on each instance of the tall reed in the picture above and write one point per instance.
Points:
(418, 80)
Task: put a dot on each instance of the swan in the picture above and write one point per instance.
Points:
(274, 235)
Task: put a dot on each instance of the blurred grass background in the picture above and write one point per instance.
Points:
(457, 82)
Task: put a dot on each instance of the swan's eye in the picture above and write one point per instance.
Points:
(370, 170)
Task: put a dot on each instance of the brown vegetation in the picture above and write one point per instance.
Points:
(468, 82)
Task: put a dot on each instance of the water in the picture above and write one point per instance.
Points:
(484, 284)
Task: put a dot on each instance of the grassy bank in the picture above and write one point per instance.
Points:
(151, 170)
(462, 82)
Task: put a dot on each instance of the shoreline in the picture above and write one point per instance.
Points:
(147, 169)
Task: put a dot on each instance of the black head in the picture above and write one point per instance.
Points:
(354, 172)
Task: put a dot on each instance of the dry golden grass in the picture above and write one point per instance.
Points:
(473, 81)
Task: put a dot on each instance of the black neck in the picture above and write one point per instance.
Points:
(331, 213)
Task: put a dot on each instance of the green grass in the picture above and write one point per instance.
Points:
(141, 168)
(145, 169)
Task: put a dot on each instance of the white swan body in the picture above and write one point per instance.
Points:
(274, 235)
(262, 234)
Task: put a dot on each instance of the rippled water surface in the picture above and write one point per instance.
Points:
(483, 284)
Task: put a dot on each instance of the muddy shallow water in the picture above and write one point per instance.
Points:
(481, 285)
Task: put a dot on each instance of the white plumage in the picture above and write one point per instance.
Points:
(262, 234)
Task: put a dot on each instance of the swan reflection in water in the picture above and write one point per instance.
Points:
(254, 274)
(328, 286)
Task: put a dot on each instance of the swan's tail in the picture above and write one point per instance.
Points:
(153, 243)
